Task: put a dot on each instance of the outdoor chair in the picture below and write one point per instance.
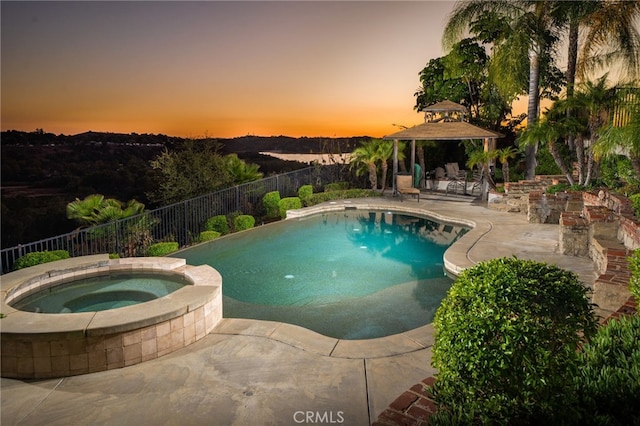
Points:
(405, 186)
(477, 181)
(457, 178)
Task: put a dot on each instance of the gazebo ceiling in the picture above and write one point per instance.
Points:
(444, 130)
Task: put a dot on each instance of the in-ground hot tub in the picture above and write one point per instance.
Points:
(43, 345)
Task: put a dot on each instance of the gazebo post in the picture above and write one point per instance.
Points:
(413, 162)
(395, 167)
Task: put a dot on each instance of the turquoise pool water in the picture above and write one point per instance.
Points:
(99, 293)
(352, 274)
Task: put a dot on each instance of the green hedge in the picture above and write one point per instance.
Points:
(243, 221)
(336, 186)
(506, 345)
(304, 193)
(271, 203)
(218, 223)
(322, 197)
(162, 249)
(208, 236)
(289, 203)
(38, 257)
(608, 381)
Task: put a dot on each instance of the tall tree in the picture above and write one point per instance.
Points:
(612, 37)
(609, 37)
(625, 139)
(193, 168)
(517, 29)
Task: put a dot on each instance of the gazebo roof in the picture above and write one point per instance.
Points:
(445, 106)
(444, 130)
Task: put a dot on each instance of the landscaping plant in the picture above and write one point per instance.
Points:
(289, 203)
(608, 381)
(304, 193)
(218, 223)
(242, 222)
(162, 249)
(38, 257)
(506, 347)
(208, 236)
(271, 202)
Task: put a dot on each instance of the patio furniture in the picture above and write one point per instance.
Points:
(405, 186)
(457, 178)
(478, 178)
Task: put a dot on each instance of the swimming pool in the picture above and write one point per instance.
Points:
(350, 274)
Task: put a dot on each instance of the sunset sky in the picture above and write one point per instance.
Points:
(218, 69)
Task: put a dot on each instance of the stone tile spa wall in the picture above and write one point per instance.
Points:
(54, 345)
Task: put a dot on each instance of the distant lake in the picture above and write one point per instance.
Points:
(343, 158)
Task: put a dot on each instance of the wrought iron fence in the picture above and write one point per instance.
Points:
(181, 222)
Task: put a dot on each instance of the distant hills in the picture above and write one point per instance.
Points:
(242, 144)
(42, 172)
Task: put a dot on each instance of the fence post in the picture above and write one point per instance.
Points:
(237, 198)
(117, 247)
(186, 223)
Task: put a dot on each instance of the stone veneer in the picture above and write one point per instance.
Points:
(36, 346)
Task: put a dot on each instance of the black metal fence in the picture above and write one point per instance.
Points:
(181, 222)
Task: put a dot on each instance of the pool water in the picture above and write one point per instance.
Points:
(348, 274)
(99, 293)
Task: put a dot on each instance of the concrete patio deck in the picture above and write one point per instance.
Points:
(248, 372)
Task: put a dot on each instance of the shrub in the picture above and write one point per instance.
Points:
(336, 186)
(634, 268)
(38, 257)
(559, 187)
(208, 236)
(322, 197)
(304, 193)
(114, 256)
(161, 249)
(289, 203)
(635, 202)
(271, 202)
(617, 172)
(243, 221)
(218, 223)
(608, 382)
(507, 336)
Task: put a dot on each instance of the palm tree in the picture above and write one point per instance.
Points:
(503, 155)
(364, 159)
(517, 25)
(612, 36)
(481, 159)
(385, 153)
(608, 26)
(593, 101)
(614, 140)
(96, 210)
(549, 132)
(241, 171)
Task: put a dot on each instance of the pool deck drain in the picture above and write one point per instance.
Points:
(248, 372)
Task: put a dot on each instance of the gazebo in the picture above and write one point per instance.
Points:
(444, 121)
